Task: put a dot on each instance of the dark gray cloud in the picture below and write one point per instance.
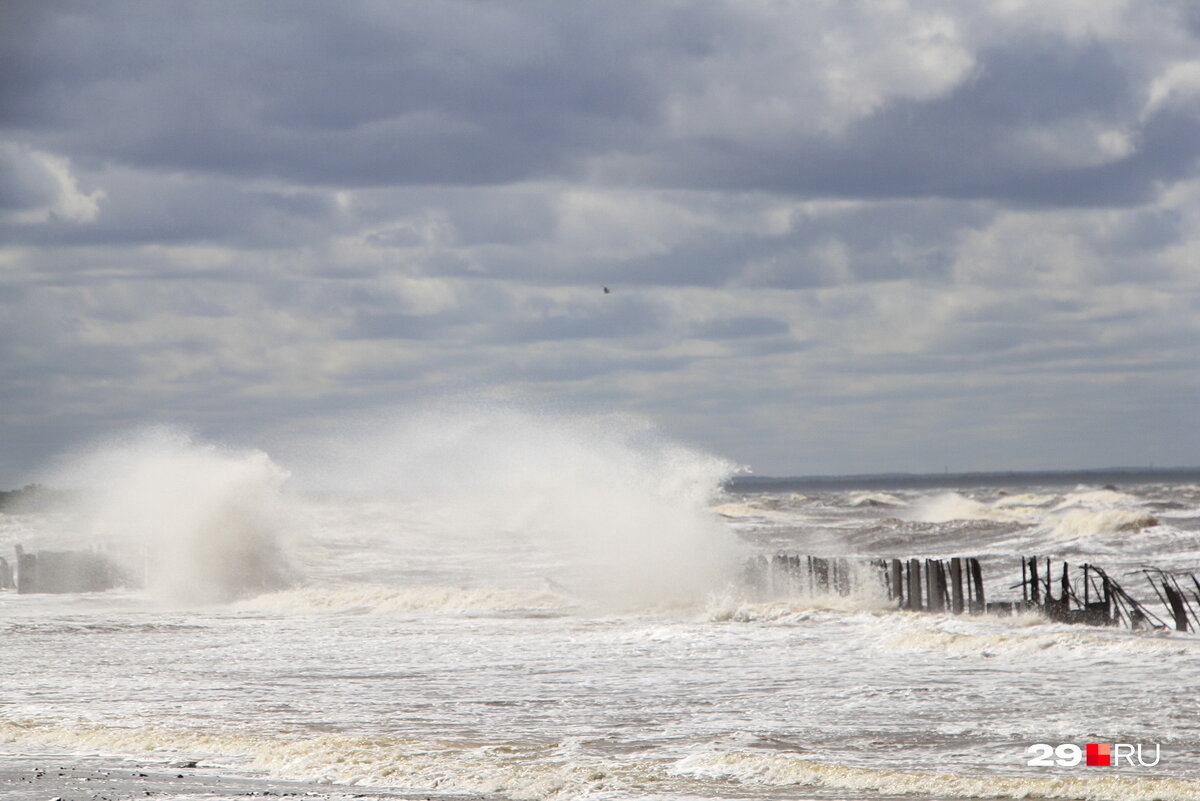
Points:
(468, 93)
(986, 139)
(367, 94)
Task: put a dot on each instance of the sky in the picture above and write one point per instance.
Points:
(840, 237)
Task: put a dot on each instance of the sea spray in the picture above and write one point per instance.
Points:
(205, 520)
(603, 507)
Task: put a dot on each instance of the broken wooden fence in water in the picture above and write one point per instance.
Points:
(956, 586)
(935, 585)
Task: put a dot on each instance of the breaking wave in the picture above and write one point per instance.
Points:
(207, 520)
(948, 506)
(883, 499)
(736, 509)
(1090, 522)
(1095, 497)
(617, 511)
(1027, 499)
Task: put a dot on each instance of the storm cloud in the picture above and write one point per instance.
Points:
(838, 237)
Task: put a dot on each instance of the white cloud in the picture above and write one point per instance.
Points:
(43, 188)
(1178, 86)
(1074, 144)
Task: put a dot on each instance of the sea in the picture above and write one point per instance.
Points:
(560, 610)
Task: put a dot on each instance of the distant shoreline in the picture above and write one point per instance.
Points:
(38, 498)
(1115, 476)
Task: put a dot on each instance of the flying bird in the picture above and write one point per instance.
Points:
(607, 290)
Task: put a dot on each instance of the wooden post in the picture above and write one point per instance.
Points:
(27, 579)
(956, 599)
(914, 584)
(935, 585)
(1035, 591)
(980, 605)
(1178, 611)
(822, 574)
(843, 576)
(896, 583)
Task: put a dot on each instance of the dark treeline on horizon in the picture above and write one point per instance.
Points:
(1115, 476)
(31, 498)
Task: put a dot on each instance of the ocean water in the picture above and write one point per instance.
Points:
(554, 610)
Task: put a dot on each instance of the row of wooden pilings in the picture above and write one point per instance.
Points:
(956, 586)
(953, 585)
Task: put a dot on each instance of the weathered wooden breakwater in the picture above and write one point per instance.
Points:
(1088, 595)
(62, 572)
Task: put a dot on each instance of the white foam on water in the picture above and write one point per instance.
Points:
(538, 771)
(1026, 635)
(381, 599)
(733, 605)
(525, 771)
(776, 770)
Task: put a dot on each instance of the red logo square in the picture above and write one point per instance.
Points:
(1099, 754)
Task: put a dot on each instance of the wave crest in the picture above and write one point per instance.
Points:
(1077, 523)
(948, 506)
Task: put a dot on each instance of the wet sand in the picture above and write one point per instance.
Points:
(71, 778)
